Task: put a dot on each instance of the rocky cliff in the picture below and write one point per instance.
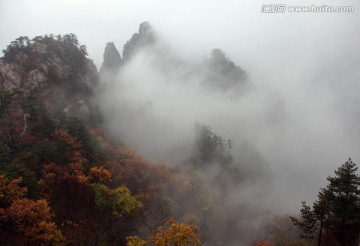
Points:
(145, 37)
(31, 64)
(55, 68)
(111, 64)
(216, 73)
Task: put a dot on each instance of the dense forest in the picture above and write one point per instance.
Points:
(67, 179)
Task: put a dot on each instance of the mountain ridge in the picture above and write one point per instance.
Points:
(221, 72)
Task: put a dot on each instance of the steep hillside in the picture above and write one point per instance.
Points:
(54, 68)
(65, 179)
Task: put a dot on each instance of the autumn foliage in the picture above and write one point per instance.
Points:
(135, 241)
(64, 180)
(263, 243)
(176, 235)
(83, 199)
(23, 220)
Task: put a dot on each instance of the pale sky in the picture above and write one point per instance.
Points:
(193, 27)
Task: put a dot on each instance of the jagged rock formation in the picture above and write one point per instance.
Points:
(222, 72)
(112, 60)
(32, 64)
(145, 37)
(55, 68)
(217, 73)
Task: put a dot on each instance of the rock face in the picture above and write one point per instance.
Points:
(217, 73)
(9, 76)
(112, 60)
(222, 72)
(145, 37)
(46, 61)
(54, 69)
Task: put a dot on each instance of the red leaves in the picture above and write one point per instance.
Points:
(76, 154)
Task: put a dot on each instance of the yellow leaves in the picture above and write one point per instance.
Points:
(121, 189)
(176, 235)
(124, 203)
(135, 241)
(101, 194)
(121, 201)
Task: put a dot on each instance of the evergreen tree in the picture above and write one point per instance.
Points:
(322, 209)
(337, 209)
(345, 195)
(308, 223)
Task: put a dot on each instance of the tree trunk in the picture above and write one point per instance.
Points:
(320, 233)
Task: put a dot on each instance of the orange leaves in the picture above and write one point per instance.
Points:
(140, 176)
(32, 219)
(10, 190)
(159, 238)
(66, 188)
(24, 218)
(182, 234)
(66, 137)
(176, 234)
(263, 243)
(100, 174)
(77, 172)
(54, 174)
(25, 211)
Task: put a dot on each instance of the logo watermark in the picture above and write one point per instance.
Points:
(283, 8)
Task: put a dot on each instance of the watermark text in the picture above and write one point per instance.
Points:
(283, 8)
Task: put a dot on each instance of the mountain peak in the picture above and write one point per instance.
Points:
(53, 69)
(112, 59)
(45, 61)
(145, 37)
(145, 29)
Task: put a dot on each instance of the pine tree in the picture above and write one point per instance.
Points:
(345, 193)
(337, 209)
(308, 223)
(322, 209)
